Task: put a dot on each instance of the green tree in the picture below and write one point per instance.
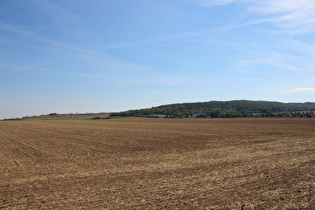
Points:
(215, 113)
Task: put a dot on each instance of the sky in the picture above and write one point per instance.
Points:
(69, 56)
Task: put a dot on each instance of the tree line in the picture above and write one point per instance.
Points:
(225, 109)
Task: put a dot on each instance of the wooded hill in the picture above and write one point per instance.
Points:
(215, 109)
(212, 109)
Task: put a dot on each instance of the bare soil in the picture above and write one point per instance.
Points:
(136, 163)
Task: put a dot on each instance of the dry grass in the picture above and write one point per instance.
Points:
(158, 163)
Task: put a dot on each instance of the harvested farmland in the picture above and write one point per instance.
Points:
(138, 163)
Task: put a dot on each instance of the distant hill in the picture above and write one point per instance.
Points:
(237, 108)
(213, 109)
(55, 116)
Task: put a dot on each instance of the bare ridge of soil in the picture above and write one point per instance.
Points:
(136, 163)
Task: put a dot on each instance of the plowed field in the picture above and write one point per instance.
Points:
(135, 163)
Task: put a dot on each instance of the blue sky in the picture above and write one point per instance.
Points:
(69, 56)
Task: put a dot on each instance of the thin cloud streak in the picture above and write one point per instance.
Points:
(35, 37)
(209, 3)
(301, 90)
(270, 58)
(54, 71)
(186, 34)
(92, 55)
(59, 15)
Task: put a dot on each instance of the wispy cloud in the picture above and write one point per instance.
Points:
(185, 34)
(95, 56)
(209, 3)
(270, 58)
(59, 16)
(35, 37)
(48, 86)
(301, 90)
(295, 17)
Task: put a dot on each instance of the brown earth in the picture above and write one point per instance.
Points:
(135, 163)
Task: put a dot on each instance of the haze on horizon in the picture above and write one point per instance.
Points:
(68, 56)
